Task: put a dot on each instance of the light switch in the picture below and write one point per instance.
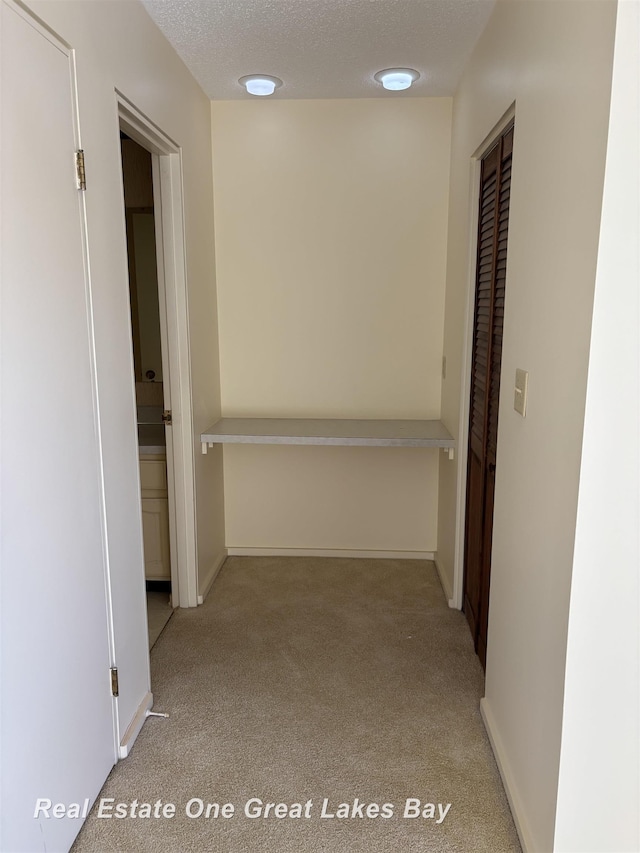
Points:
(520, 397)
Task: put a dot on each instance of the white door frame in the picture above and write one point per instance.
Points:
(174, 317)
(465, 384)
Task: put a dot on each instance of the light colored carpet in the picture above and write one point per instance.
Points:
(303, 679)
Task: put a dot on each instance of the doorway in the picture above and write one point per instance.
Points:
(153, 404)
(166, 163)
(488, 323)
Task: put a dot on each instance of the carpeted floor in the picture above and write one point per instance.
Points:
(310, 679)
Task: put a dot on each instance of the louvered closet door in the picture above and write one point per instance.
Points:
(493, 225)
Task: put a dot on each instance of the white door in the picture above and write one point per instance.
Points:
(57, 708)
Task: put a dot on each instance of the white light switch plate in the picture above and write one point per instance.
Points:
(520, 396)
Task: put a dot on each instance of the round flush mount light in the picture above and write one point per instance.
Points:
(396, 79)
(260, 84)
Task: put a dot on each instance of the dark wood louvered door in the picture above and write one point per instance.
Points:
(495, 185)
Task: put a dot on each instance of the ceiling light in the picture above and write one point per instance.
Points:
(260, 84)
(396, 78)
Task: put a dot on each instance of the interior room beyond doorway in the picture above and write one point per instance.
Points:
(137, 168)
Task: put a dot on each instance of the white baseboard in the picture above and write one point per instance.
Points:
(444, 581)
(514, 798)
(135, 725)
(207, 583)
(330, 552)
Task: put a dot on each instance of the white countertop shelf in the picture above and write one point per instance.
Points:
(325, 431)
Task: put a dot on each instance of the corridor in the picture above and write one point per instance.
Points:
(333, 681)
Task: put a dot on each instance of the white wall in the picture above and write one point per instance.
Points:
(599, 787)
(118, 47)
(554, 60)
(331, 241)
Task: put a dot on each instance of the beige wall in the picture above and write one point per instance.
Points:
(331, 498)
(554, 60)
(331, 241)
(601, 719)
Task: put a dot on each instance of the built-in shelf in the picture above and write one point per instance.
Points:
(346, 433)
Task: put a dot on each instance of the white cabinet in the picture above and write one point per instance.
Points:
(155, 518)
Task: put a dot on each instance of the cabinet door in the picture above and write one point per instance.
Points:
(153, 478)
(155, 531)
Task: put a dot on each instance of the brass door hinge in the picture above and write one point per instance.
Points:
(80, 172)
(166, 417)
(114, 681)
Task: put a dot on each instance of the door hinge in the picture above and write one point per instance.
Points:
(114, 681)
(80, 173)
(167, 417)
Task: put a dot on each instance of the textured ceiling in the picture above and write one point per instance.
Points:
(322, 48)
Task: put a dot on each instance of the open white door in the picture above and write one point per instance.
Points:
(57, 708)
